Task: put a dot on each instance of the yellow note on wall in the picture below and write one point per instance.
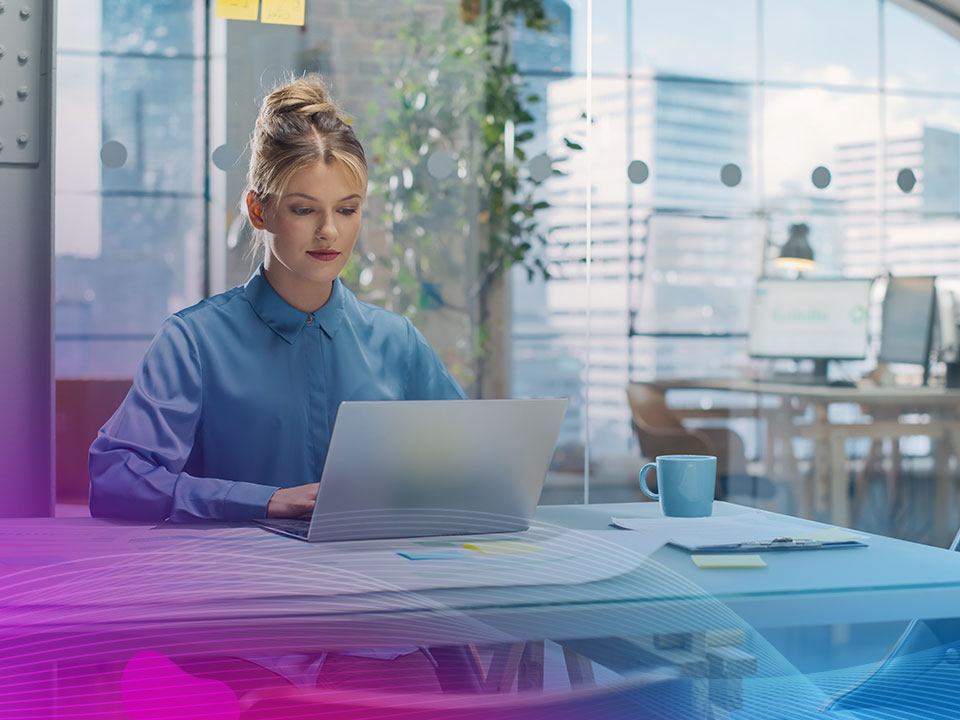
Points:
(283, 12)
(237, 9)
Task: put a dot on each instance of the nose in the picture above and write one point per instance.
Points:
(327, 229)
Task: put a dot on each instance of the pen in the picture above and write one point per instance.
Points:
(781, 542)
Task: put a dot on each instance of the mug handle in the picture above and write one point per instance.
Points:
(643, 482)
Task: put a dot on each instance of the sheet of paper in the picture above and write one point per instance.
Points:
(167, 567)
(461, 541)
(39, 543)
(282, 12)
(237, 9)
(737, 560)
(503, 548)
(829, 535)
(718, 529)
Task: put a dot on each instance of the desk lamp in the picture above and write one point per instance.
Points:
(796, 253)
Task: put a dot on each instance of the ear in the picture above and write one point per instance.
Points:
(255, 211)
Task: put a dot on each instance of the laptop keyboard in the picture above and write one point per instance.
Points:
(300, 528)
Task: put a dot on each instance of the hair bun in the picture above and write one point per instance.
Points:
(318, 107)
(305, 95)
(306, 106)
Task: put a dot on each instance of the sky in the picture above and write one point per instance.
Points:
(829, 47)
(799, 38)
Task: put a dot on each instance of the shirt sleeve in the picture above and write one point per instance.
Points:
(427, 377)
(137, 460)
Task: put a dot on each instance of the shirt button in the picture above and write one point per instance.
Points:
(309, 318)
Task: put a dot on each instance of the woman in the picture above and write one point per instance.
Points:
(231, 410)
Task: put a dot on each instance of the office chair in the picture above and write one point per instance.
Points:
(661, 432)
(83, 406)
(155, 687)
(650, 696)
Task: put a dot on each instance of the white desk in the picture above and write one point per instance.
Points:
(889, 580)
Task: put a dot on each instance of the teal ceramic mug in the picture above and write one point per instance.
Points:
(686, 484)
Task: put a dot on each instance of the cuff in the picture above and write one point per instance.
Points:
(246, 501)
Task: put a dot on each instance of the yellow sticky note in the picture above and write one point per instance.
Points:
(503, 548)
(237, 9)
(728, 561)
(283, 12)
(828, 535)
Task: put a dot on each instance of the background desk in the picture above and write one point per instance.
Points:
(887, 405)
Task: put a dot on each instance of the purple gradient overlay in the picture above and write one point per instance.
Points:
(100, 619)
(119, 620)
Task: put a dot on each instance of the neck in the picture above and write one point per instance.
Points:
(305, 295)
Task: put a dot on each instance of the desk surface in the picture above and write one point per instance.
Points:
(871, 394)
(889, 580)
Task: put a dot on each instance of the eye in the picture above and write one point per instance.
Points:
(348, 211)
(302, 211)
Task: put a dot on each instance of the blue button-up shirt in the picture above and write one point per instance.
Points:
(236, 397)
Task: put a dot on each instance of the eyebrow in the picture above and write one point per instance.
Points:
(309, 197)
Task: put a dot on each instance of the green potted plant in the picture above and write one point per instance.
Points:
(450, 179)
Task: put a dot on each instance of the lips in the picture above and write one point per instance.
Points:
(325, 255)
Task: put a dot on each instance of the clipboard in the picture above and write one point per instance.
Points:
(747, 532)
(781, 543)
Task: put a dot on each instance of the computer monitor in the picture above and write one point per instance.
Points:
(948, 334)
(909, 312)
(819, 319)
(948, 315)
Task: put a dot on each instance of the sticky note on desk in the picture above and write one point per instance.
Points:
(736, 560)
(237, 9)
(282, 12)
(506, 547)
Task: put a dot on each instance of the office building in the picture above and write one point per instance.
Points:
(662, 261)
(913, 233)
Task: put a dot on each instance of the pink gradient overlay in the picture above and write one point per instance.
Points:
(154, 688)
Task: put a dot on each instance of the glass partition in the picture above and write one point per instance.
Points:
(705, 145)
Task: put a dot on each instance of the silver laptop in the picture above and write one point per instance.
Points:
(417, 468)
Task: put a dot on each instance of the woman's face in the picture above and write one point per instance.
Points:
(311, 230)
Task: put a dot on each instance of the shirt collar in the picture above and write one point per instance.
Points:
(331, 314)
(286, 320)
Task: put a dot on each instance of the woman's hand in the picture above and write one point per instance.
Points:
(293, 502)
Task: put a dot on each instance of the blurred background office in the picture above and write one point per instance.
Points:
(571, 198)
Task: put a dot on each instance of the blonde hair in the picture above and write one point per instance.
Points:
(299, 124)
